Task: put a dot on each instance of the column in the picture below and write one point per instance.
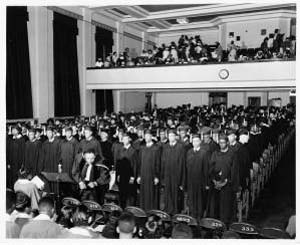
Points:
(40, 37)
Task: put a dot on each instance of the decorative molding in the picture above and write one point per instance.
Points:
(65, 12)
(127, 34)
(104, 26)
(151, 43)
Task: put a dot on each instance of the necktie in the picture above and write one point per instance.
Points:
(84, 170)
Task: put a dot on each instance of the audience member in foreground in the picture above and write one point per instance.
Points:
(126, 226)
(12, 229)
(43, 225)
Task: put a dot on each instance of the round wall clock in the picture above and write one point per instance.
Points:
(224, 74)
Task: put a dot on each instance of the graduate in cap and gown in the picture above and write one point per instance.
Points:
(33, 153)
(15, 155)
(223, 182)
(68, 150)
(208, 142)
(148, 173)
(126, 173)
(50, 152)
(173, 173)
(90, 142)
(243, 159)
(197, 164)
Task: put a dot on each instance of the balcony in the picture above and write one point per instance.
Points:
(254, 75)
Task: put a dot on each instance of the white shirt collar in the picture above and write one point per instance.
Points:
(42, 217)
(23, 215)
(127, 147)
(173, 144)
(51, 140)
(19, 136)
(70, 138)
(149, 144)
(197, 149)
(33, 140)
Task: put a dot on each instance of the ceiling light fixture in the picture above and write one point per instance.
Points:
(182, 20)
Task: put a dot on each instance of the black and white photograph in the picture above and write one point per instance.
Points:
(149, 120)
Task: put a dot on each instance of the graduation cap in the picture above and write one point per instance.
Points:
(162, 215)
(205, 130)
(172, 131)
(212, 224)
(274, 233)
(92, 205)
(109, 207)
(231, 131)
(244, 228)
(137, 212)
(70, 202)
(183, 218)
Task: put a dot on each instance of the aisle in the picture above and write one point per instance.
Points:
(277, 201)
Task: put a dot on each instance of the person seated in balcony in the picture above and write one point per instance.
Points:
(219, 52)
(293, 46)
(286, 46)
(99, 63)
(121, 62)
(232, 51)
(181, 53)
(126, 54)
(271, 41)
(114, 58)
(144, 54)
(166, 53)
(129, 62)
(174, 54)
(107, 62)
(259, 55)
(264, 44)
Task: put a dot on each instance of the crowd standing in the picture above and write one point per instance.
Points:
(192, 50)
(182, 160)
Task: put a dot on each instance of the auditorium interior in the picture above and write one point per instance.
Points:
(151, 121)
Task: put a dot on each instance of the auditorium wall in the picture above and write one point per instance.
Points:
(173, 99)
(40, 35)
(132, 101)
(170, 99)
(207, 36)
(250, 30)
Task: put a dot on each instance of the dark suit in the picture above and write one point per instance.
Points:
(99, 174)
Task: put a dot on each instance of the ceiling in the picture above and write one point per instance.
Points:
(164, 18)
(163, 7)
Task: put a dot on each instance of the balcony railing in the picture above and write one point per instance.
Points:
(276, 74)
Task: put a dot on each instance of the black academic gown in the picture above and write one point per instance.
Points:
(106, 147)
(33, 156)
(211, 147)
(51, 155)
(245, 164)
(148, 170)
(126, 168)
(173, 176)
(197, 164)
(93, 143)
(15, 158)
(68, 150)
(116, 151)
(221, 202)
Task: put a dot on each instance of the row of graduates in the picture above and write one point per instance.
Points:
(144, 167)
